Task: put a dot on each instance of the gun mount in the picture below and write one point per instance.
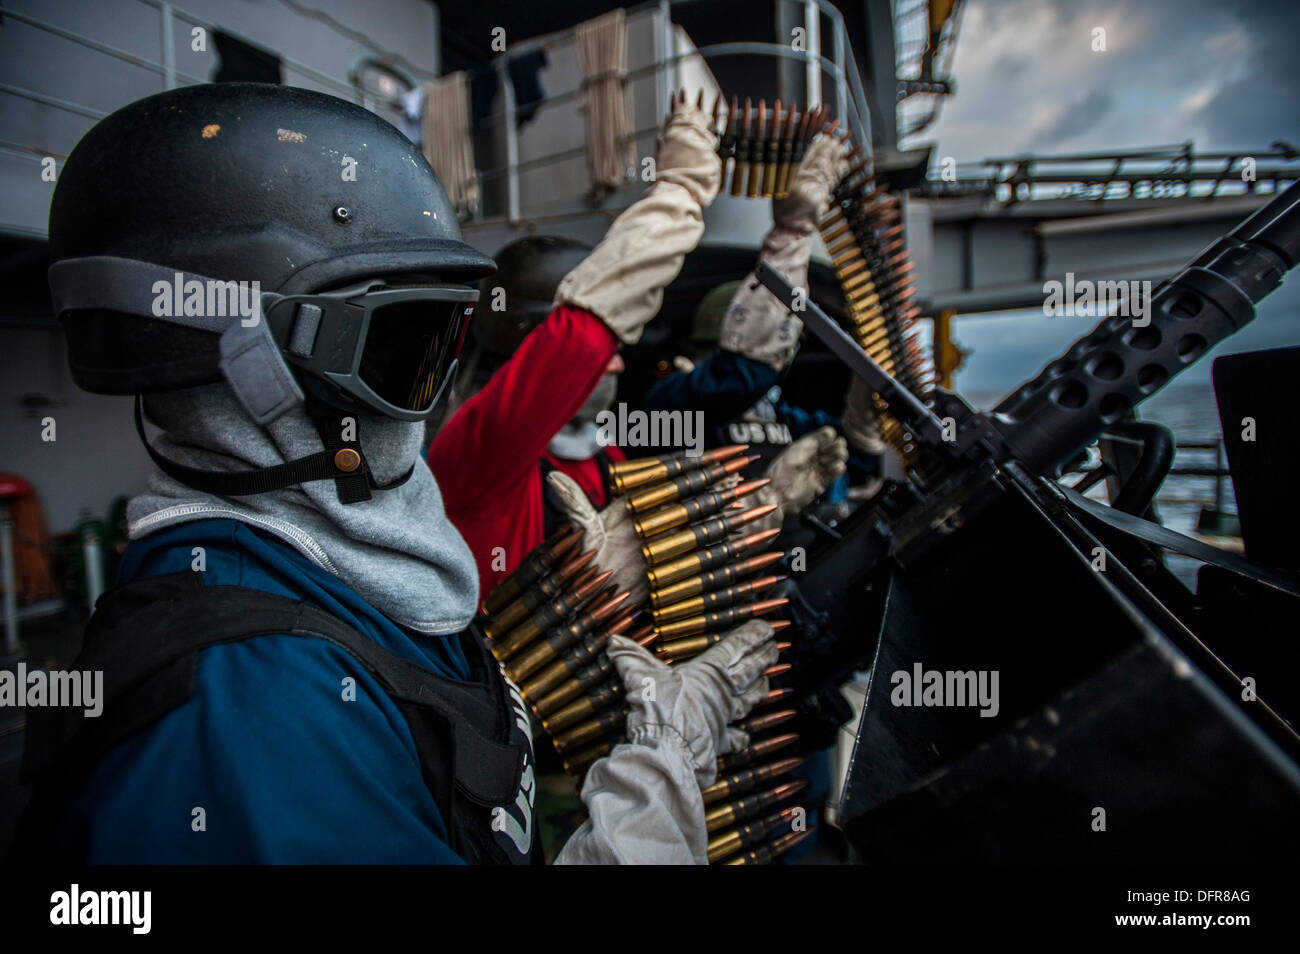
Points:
(1129, 712)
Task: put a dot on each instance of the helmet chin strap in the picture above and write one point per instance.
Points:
(340, 461)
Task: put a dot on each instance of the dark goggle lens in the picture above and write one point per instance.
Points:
(409, 347)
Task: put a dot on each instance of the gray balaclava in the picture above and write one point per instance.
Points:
(398, 550)
(580, 438)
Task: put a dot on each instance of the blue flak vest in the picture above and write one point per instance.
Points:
(258, 710)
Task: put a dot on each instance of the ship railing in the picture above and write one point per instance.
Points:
(830, 77)
(1214, 517)
(165, 68)
(1158, 172)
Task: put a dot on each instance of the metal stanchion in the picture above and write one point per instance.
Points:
(92, 555)
(10, 583)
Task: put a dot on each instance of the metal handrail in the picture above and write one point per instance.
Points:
(165, 69)
(719, 49)
(299, 68)
(24, 150)
(909, 57)
(96, 45)
(841, 68)
(1180, 171)
(1219, 471)
(746, 48)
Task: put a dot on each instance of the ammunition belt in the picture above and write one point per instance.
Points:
(761, 149)
(549, 622)
(863, 233)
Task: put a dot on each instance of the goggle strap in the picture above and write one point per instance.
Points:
(253, 366)
(249, 358)
(126, 285)
(306, 325)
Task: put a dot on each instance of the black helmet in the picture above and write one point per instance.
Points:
(295, 204)
(528, 272)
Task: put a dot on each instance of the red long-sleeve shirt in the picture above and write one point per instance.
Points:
(487, 456)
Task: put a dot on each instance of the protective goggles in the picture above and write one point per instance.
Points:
(391, 349)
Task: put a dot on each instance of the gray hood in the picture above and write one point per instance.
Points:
(398, 550)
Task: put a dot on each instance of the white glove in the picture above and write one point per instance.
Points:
(622, 281)
(823, 166)
(800, 474)
(643, 800)
(695, 701)
(688, 153)
(609, 532)
(859, 421)
(756, 324)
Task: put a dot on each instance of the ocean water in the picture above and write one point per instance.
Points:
(1189, 410)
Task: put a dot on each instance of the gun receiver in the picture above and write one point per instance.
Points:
(978, 562)
(1105, 374)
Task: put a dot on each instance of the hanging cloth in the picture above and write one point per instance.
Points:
(525, 76)
(602, 56)
(445, 139)
(244, 63)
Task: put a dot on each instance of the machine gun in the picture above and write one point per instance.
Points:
(1128, 718)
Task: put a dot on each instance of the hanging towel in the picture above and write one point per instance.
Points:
(602, 56)
(445, 139)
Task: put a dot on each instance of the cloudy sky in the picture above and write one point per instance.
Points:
(1222, 73)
